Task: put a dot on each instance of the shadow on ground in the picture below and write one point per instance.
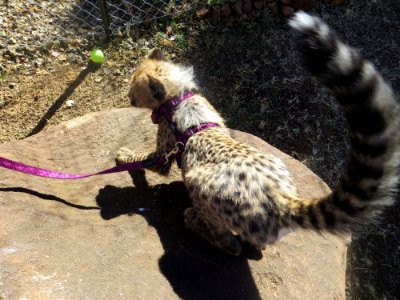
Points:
(91, 67)
(192, 266)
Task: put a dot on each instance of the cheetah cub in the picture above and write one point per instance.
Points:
(240, 194)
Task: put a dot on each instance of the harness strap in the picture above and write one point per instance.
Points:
(195, 129)
(166, 109)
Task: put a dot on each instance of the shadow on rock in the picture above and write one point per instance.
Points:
(195, 269)
(46, 197)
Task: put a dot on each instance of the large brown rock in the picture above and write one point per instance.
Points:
(91, 239)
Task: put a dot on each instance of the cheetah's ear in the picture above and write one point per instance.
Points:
(157, 89)
(156, 54)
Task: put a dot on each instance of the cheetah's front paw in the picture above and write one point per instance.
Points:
(124, 156)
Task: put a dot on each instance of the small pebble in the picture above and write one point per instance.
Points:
(70, 103)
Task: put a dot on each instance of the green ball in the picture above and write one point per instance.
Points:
(97, 56)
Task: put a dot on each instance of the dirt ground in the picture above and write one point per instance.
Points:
(250, 71)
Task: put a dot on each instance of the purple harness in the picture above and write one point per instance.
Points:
(164, 110)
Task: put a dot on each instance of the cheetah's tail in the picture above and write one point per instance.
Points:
(369, 183)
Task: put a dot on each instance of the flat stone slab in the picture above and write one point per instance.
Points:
(110, 237)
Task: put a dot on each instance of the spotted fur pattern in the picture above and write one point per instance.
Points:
(240, 194)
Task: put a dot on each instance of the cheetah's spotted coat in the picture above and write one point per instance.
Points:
(240, 194)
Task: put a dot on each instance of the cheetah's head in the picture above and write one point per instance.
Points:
(156, 80)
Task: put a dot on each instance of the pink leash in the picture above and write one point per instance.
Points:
(20, 167)
(165, 110)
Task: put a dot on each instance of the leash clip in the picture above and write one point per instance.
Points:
(175, 150)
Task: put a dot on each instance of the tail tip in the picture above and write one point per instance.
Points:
(303, 21)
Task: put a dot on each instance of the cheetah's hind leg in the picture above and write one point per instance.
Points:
(220, 238)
